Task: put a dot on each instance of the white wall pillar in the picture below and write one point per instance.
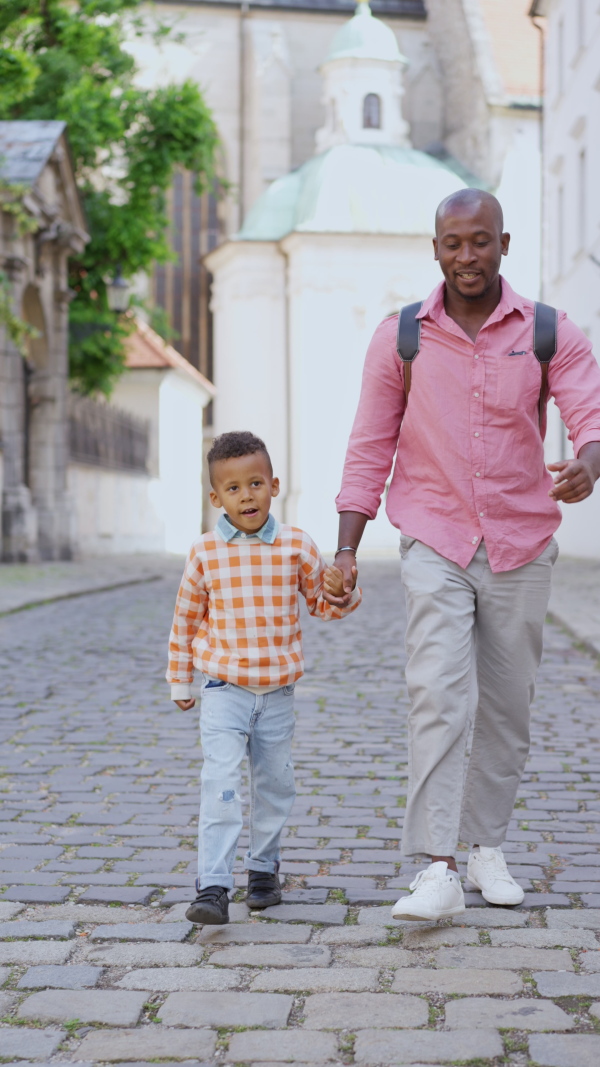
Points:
(249, 307)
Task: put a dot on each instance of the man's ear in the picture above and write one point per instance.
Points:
(435, 248)
(505, 239)
(216, 503)
(275, 487)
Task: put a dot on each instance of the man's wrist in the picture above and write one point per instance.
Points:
(345, 548)
(589, 455)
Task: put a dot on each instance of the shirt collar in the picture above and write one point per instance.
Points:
(433, 306)
(229, 532)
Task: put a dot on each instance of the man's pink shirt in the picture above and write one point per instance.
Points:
(469, 457)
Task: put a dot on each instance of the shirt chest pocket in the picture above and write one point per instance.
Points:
(519, 380)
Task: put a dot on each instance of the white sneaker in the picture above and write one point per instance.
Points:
(436, 894)
(487, 871)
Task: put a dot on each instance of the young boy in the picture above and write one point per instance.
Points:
(237, 621)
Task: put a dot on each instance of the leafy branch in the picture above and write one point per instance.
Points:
(67, 59)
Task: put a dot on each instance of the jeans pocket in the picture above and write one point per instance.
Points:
(214, 685)
(289, 688)
(406, 544)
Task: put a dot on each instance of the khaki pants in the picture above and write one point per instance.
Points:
(474, 643)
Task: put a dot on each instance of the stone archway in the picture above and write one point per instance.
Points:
(34, 384)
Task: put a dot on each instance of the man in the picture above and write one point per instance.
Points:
(477, 510)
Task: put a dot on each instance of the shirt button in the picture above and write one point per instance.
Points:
(476, 356)
(475, 394)
(476, 435)
(474, 541)
(477, 474)
(481, 514)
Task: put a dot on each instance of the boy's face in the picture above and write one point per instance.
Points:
(244, 486)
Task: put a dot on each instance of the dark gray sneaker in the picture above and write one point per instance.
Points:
(264, 890)
(210, 908)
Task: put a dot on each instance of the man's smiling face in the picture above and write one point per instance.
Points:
(469, 246)
(244, 486)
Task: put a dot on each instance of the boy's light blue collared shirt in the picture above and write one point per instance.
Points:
(229, 532)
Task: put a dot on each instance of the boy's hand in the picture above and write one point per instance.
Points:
(335, 584)
(185, 705)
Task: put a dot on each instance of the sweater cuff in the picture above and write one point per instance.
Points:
(181, 691)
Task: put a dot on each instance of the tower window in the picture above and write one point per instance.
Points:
(372, 112)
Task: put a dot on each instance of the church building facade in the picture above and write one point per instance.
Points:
(340, 132)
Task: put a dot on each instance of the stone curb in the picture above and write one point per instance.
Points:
(72, 594)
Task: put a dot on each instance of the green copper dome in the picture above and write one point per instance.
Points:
(354, 189)
(365, 37)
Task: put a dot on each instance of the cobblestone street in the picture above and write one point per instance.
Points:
(99, 779)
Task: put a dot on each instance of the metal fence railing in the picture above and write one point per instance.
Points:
(106, 436)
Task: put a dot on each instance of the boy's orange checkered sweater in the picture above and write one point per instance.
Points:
(237, 611)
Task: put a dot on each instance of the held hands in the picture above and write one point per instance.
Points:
(340, 580)
(574, 482)
(185, 705)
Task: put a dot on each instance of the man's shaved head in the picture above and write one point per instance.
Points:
(468, 200)
(469, 244)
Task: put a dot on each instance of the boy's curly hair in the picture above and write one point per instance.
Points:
(235, 444)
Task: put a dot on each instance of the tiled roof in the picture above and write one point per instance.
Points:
(146, 349)
(25, 148)
(515, 46)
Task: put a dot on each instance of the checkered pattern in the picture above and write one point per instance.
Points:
(237, 612)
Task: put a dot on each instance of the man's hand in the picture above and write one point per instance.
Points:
(337, 589)
(574, 481)
(185, 705)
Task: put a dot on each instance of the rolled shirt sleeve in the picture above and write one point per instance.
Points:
(190, 609)
(374, 437)
(574, 382)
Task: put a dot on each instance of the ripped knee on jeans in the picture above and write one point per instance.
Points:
(228, 795)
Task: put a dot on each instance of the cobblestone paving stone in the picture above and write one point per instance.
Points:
(99, 783)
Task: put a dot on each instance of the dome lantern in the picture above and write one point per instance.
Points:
(362, 85)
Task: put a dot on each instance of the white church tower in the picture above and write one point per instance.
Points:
(324, 254)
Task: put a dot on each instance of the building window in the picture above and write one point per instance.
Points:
(582, 199)
(372, 112)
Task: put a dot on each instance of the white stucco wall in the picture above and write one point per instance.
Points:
(250, 348)
(572, 211)
(340, 288)
(519, 192)
(173, 404)
(179, 493)
(112, 512)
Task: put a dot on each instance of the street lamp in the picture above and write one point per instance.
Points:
(117, 292)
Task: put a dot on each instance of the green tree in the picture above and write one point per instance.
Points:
(66, 59)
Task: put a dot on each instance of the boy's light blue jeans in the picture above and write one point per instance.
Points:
(235, 722)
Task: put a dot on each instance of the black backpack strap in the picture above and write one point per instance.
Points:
(545, 342)
(408, 339)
